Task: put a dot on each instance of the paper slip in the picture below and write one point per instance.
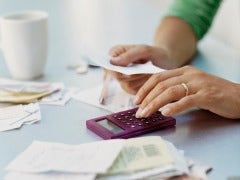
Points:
(142, 153)
(117, 99)
(181, 168)
(28, 86)
(48, 176)
(25, 92)
(104, 61)
(148, 157)
(171, 164)
(15, 116)
(177, 168)
(92, 158)
(60, 97)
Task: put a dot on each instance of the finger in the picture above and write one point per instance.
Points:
(153, 81)
(169, 95)
(135, 77)
(141, 61)
(131, 55)
(118, 49)
(181, 105)
(160, 88)
(117, 75)
(132, 86)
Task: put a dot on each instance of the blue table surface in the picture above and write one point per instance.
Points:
(203, 136)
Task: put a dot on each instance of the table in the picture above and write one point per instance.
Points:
(202, 135)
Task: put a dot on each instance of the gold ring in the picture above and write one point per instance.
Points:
(186, 88)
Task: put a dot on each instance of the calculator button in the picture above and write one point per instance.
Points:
(133, 126)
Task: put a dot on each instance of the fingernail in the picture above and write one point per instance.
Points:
(136, 100)
(139, 113)
(145, 112)
(115, 59)
(166, 112)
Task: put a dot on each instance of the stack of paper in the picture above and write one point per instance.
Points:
(17, 92)
(147, 157)
(136, 158)
(12, 91)
(55, 161)
(15, 116)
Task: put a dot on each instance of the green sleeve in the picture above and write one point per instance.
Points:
(198, 14)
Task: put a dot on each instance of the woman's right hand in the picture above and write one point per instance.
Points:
(130, 83)
(123, 55)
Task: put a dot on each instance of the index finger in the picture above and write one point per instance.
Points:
(153, 81)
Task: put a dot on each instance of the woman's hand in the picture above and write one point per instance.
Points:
(123, 55)
(130, 83)
(180, 89)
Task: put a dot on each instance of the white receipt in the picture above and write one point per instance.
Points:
(15, 116)
(59, 98)
(29, 86)
(104, 61)
(42, 157)
(117, 99)
(164, 171)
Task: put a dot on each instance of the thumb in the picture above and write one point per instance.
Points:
(133, 55)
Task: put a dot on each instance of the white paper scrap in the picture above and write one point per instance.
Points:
(91, 158)
(104, 61)
(29, 86)
(15, 116)
(117, 99)
(60, 97)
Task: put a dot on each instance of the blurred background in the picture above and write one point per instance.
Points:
(100, 24)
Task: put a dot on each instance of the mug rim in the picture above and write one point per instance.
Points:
(33, 15)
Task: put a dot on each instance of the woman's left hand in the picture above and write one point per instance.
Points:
(180, 89)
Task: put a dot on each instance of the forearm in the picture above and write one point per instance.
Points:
(178, 39)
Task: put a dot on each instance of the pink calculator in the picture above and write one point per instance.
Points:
(124, 124)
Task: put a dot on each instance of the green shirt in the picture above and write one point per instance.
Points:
(198, 14)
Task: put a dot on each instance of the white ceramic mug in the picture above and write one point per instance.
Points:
(24, 43)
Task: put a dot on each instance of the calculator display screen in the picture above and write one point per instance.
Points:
(110, 126)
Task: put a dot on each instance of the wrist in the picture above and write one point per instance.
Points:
(171, 58)
(177, 39)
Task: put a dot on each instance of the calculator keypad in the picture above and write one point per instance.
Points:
(129, 120)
